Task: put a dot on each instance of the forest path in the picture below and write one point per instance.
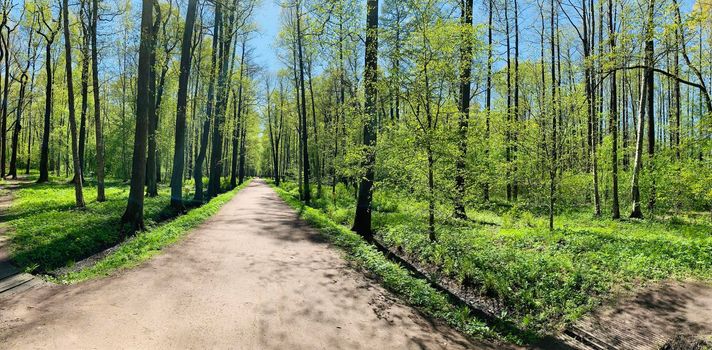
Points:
(254, 276)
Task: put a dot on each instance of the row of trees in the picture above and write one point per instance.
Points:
(545, 104)
(231, 22)
(201, 56)
(552, 105)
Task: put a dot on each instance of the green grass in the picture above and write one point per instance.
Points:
(48, 232)
(543, 280)
(414, 291)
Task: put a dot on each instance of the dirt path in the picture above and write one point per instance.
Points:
(252, 277)
(652, 317)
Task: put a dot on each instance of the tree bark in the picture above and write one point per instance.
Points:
(303, 109)
(78, 192)
(362, 219)
(84, 47)
(183, 75)
(44, 150)
(198, 170)
(463, 122)
(216, 157)
(238, 119)
(133, 216)
(151, 183)
(554, 128)
(650, 85)
(613, 123)
(488, 98)
(638, 158)
(20, 108)
(100, 194)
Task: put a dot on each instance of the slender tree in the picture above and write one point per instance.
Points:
(151, 163)
(554, 117)
(650, 102)
(51, 28)
(78, 192)
(100, 193)
(24, 79)
(303, 107)
(638, 158)
(463, 123)
(488, 96)
(216, 155)
(613, 121)
(362, 220)
(198, 169)
(183, 75)
(133, 216)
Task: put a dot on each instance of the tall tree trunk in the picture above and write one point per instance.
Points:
(18, 123)
(84, 47)
(362, 220)
(315, 127)
(638, 158)
(100, 195)
(463, 122)
(151, 183)
(124, 160)
(238, 118)
(235, 137)
(78, 193)
(198, 170)
(274, 136)
(216, 155)
(5, 97)
(515, 113)
(613, 121)
(508, 113)
(20, 107)
(183, 75)
(133, 215)
(676, 96)
(243, 138)
(44, 149)
(29, 120)
(488, 98)
(554, 118)
(303, 110)
(650, 85)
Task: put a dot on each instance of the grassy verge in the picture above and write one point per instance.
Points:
(49, 233)
(414, 291)
(542, 280)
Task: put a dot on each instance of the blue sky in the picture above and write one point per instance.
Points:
(266, 17)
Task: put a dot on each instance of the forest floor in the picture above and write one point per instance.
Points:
(253, 276)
